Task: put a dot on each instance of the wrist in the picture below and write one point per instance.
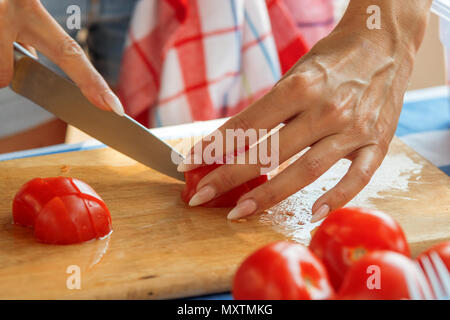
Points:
(401, 29)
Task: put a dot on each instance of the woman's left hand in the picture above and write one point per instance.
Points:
(343, 99)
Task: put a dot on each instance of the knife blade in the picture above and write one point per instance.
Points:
(64, 99)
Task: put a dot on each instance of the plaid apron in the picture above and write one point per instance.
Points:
(192, 60)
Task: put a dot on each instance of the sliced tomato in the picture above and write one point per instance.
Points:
(347, 234)
(61, 187)
(441, 249)
(29, 201)
(85, 189)
(101, 222)
(192, 178)
(435, 258)
(228, 199)
(61, 210)
(282, 271)
(54, 225)
(384, 275)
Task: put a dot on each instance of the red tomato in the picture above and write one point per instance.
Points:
(347, 234)
(228, 199)
(442, 249)
(61, 210)
(383, 275)
(282, 271)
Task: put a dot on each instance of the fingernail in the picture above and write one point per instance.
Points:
(321, 213)
(182, 167)
(244, 208)
(205, 194)
(113, 102)
(189, 162)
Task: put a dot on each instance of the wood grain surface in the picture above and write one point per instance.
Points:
(160, 248)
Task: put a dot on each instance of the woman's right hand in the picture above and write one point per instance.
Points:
(27, 22)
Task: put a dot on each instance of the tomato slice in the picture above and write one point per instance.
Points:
(61, 187)
(282, 271)
(54, 225)
(84, 188)
(29, 201)
(347, 234)
(101, 222)
(62, 210)
(228, 199)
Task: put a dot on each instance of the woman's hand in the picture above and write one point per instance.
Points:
(343, 99)
(27, 22)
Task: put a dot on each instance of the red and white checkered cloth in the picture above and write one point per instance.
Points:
(189, 60)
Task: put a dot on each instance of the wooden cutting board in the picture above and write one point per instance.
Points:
(160, 248)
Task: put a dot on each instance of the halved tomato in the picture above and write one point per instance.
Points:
(61, 210)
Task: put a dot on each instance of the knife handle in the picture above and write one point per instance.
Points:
(20, 52)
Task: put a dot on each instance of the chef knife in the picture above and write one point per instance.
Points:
(64, 99)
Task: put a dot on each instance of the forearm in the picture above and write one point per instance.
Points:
(403, 23)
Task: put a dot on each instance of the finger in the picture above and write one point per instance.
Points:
(261, 159)
(6, 60)
(298, 175)
(366, 162)
(30, 49)
(280, 104)
(58, 46)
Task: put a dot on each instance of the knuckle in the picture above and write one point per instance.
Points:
(381, 146)
(333, 107)
(296, 81)
(336, 113)
(360, 129)
(93, 82)
(341, 107)
(226, 179)
(340, 197)
(313, 167)
(70, 49)
(381, 130)
(363, 130)
(338, 145)
(364, 175)
(296, 87)
(267, 196)
(241, 122)
(271, 197)
(344, 117)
